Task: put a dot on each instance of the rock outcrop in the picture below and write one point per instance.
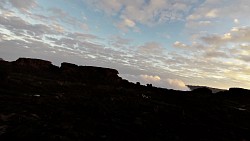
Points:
(36, 64)
(89, 74)
(66, 72)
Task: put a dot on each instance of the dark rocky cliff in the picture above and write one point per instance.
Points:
(43, 102)
(66, 72)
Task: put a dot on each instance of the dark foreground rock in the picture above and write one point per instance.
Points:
(43, 102)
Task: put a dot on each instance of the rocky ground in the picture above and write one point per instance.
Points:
(40, 101)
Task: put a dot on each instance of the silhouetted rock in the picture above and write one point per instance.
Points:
(69, 68)
(70, 71)
(203, 91)
(90, 74)
(98, 73)
(214, 90)
(39, 101)
(29, 63)
(149, 85)
(239, 91)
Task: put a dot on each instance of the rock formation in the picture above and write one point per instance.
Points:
(43, 102)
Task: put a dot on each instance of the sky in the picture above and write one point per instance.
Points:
(168, 43)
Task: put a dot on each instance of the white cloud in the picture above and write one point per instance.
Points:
(157, 81)
(129, 23)
(125, 24)
(150, 78)
(212, 13)
(178, 44)
(236, 21)
(175, 83)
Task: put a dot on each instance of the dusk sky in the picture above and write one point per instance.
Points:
(168, 43)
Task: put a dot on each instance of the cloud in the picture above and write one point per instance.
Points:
(118, 41)
(212, 13)
(157, 81)
(229, 9)
(126, 23)
(218, 13)
(236, 35)
(177, 84)
(215, 54)
(147, 12)
(193, 47)
(129, 22)
(23, 5)
(150, 78)
(178, 44)
(210, 59)
(215, 58)
(20, 26)
(21, 37)
(151, 48)
(236, 21)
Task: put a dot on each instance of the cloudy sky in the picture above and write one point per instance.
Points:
(168, 43)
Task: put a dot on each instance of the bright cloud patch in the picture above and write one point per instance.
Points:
(177, 83)
(157, 81)
(150, 78)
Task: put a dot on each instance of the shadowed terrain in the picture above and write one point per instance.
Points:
(214, 90)
(40, 101)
